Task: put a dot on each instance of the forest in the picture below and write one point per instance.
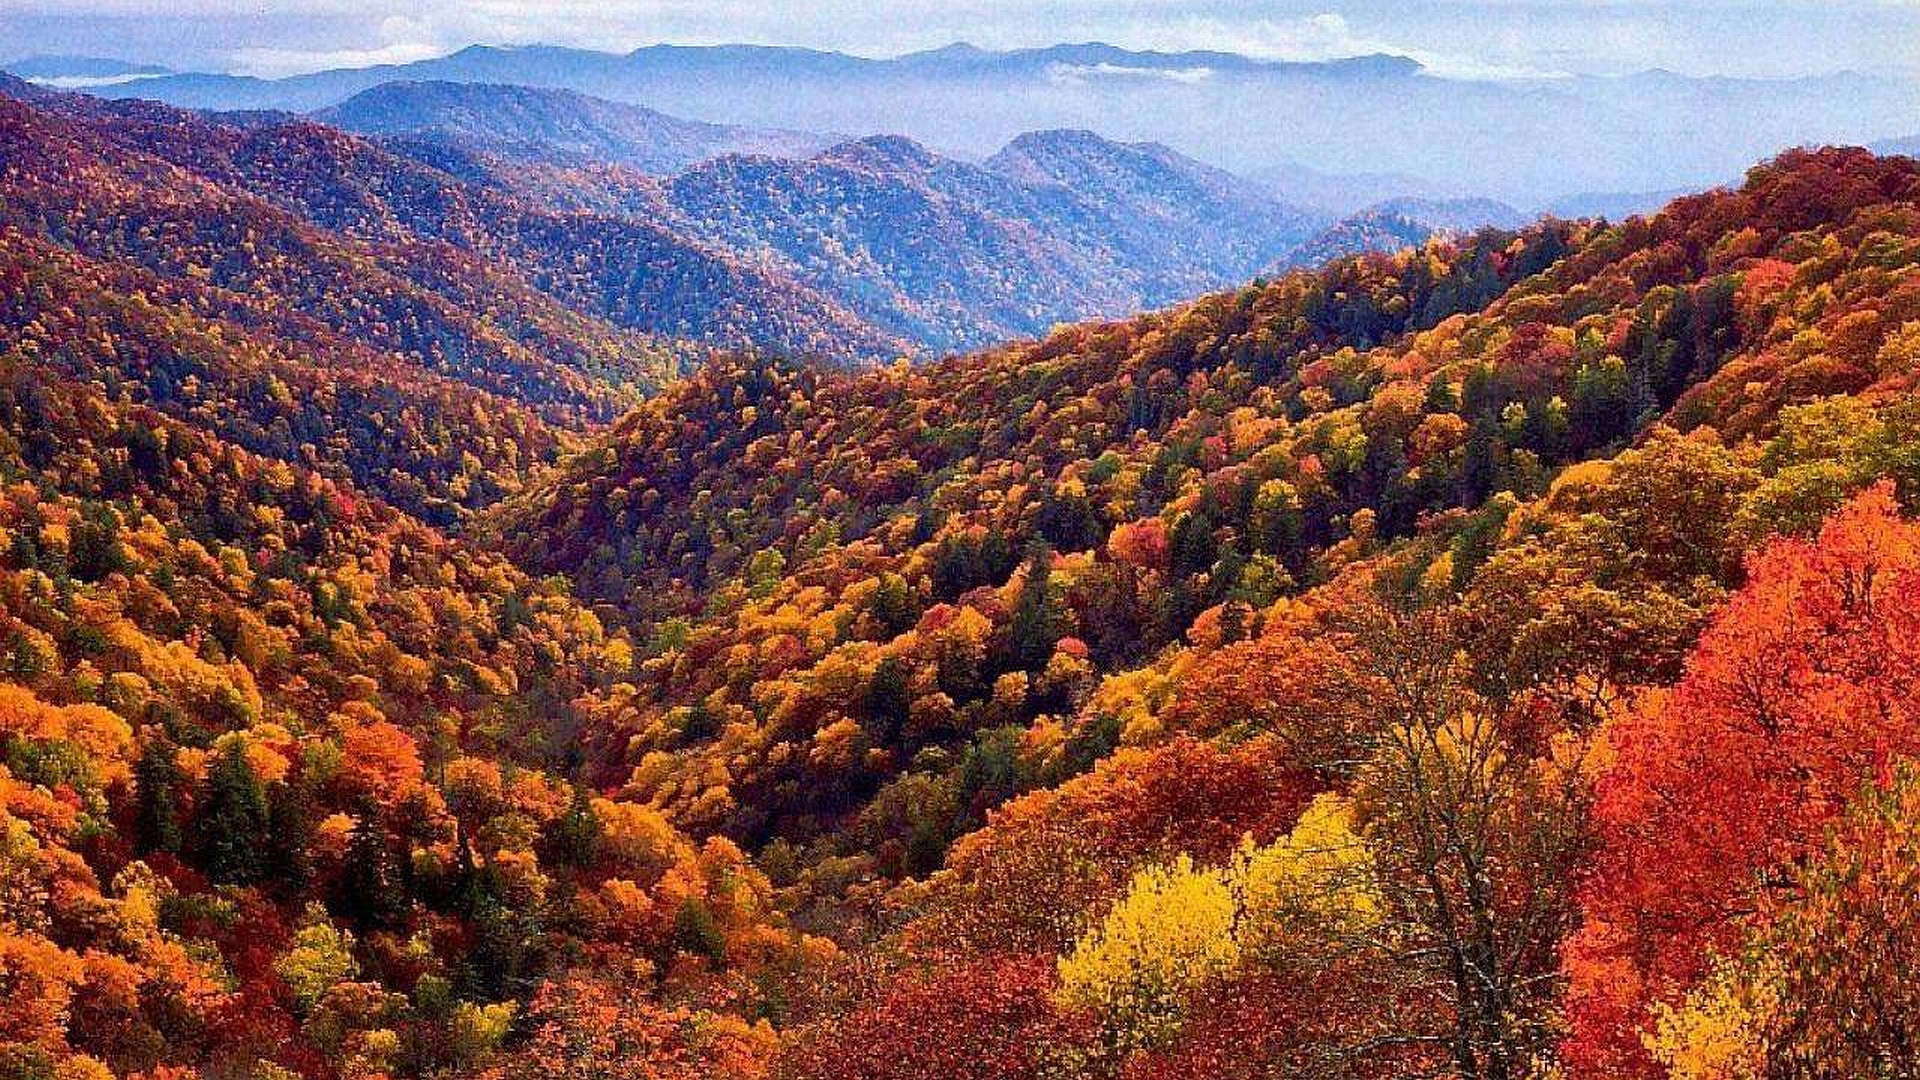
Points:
(1495, 660)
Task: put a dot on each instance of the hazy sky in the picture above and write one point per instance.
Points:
(1459, 37)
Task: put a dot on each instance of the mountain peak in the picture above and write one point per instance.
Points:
(885, 151)
(959, 50)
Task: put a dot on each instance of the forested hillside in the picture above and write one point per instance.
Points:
(330, 215)
(1492, 660)
(1416, 541)
(1400, 223)
(1056, 227)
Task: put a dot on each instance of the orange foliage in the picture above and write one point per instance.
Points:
(1803, 687)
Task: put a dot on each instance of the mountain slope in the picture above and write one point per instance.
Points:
(631, 279)
(1158, 197)
(943, 475)
(1290, 546)
(556, 126)
(254, 720)
(1117, 705)
(1061, 226)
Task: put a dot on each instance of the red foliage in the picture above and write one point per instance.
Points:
(1802, 689)
(986, 1019)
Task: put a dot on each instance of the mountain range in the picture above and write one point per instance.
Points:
(942, 252)
(1526, 141)
(554, 126)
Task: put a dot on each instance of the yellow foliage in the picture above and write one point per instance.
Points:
(1718, 1032)
(1171, 932)
(1135, 698)
(81, 1067)
(1313, 885)
(477, 1030)
(319, 958)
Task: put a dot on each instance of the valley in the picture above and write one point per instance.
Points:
(500, 582)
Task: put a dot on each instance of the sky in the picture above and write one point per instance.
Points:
(1461, 38)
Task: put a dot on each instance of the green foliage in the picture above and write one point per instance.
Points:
(318, 958)
(233, 829)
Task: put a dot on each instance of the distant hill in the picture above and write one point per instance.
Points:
(945, 253)
(1909, 146)
(1193, 211)
(80, 71)
(300, 288)
(561, 126)
(1399, 223)
(869, 250)
(1338, 194)
(1612, 205)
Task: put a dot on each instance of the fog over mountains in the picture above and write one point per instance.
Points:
(1524, 141)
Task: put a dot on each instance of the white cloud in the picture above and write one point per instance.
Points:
(86, 82)
(268, 63)
(1069, 74)
(1326, 36)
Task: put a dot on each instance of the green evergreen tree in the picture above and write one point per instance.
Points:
(889, 700)
(1036, 620)
(156, 777)
(369, 893)
(234, 821)
(573, 837)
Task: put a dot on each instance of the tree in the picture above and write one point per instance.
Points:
(1171, 933)
(1474, 844)
(1036, 622)
(1841, 953)
(233, 824)
(318, 958)
(605, 1027)
(1803, 687)
(984, 1018)
(157, 812)
(368, 891)
(889, 700)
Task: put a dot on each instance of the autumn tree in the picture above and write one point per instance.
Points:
(1474, 841)
(1799, 692)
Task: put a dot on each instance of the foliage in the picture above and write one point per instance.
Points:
(1491, 659)
(1171, 932)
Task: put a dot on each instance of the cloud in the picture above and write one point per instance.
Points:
(86, 82)
(270, 63)
(1325, 36)
(1074, 74)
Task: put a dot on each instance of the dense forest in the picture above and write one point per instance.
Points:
(1492, 660)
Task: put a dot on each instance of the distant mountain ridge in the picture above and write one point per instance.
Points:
(554, 124)
(1909, 146)
(1524, 141)
(593, 71)
(80, 71)
(1398, 223)
(872, 249)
